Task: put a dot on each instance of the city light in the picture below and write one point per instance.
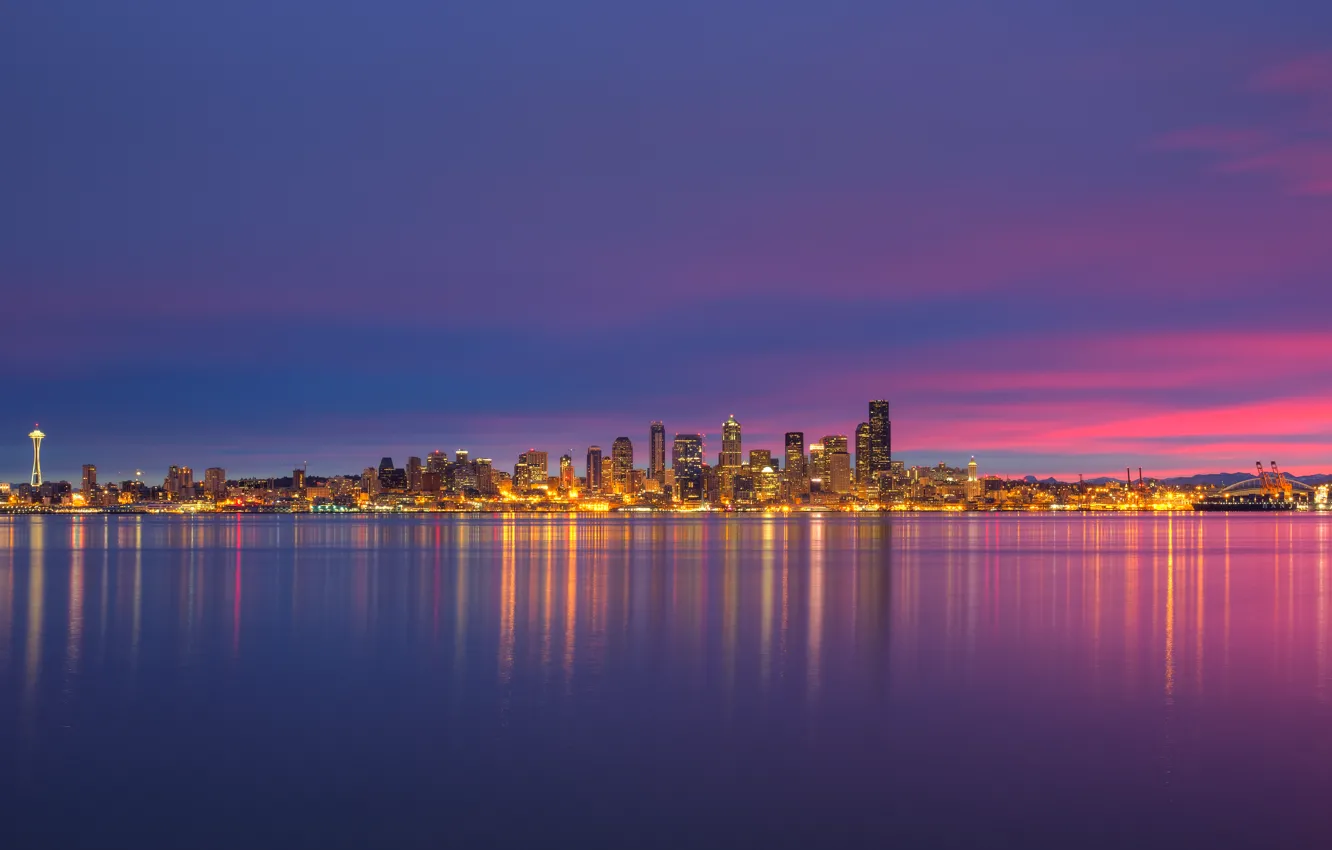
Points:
(766, 481)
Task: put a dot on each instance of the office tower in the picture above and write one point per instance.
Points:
(607, 476)
(687, 467)
(795, 452)
(485, 475)
(172, 482)
(818, 470)
(881, 438)
(437, 461)
(863, 475)
(370, 481)
(414, 474)
(385, 465)
(531, 471)
(539, 463)
(834, 443)
(971, 469)
(89, 480)
(730, 457)
(594, 469)
(657, 452)
(622, 464)
(568, 480)
(758, 459)
(797, 471)
(215, 483)
(461, 456)
(839, 472)
(297, 480)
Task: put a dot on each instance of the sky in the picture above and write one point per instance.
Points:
(1064, 238)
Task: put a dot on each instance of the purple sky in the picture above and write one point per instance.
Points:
(1063, 239)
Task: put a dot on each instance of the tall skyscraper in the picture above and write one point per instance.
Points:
(881, 438)
(568, 480)
(485, 476)
(297, 479)
(414, 474)
(818, 468)
(863, 475)
(797, 472)
(731, 457)
(687, 466)
(758, 459)
(622, 463)
(36, 436)
(594, 469)
(657, 452)
(89, 480)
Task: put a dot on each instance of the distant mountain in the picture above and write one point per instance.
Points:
(1225, 479)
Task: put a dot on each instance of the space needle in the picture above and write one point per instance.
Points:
(36, 437)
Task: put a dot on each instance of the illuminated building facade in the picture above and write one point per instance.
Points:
(881, 439)
(594, 469)
(622, 464)
(731, 456)
(657, 452)
(687, 466)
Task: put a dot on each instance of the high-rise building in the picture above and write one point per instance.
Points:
(568, 480)
(839, 472)
(687, 466)
(881, 438)
(834, 443)
(437, 461)
(818, 469)
(414, 474)
(797, 471)
(297, 480)
(607, 475)
(215, 483)
(758, 459)
(730, 457)
(531, 470)
(863, 474)
(594, 469)
(657, 452)
(795, 452)
(485, 476)
(89, 480)
(370, 481)
(622, 464)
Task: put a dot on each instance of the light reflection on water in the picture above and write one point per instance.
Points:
(1048, 679)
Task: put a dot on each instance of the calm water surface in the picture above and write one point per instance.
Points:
(1034, 681)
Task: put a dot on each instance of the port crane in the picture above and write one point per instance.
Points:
(1274, 483)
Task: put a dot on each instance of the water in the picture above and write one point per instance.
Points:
(1023, 680)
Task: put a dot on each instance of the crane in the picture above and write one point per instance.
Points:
(1281, 483)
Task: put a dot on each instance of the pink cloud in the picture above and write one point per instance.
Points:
(1296, 149)
(1304, 75)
